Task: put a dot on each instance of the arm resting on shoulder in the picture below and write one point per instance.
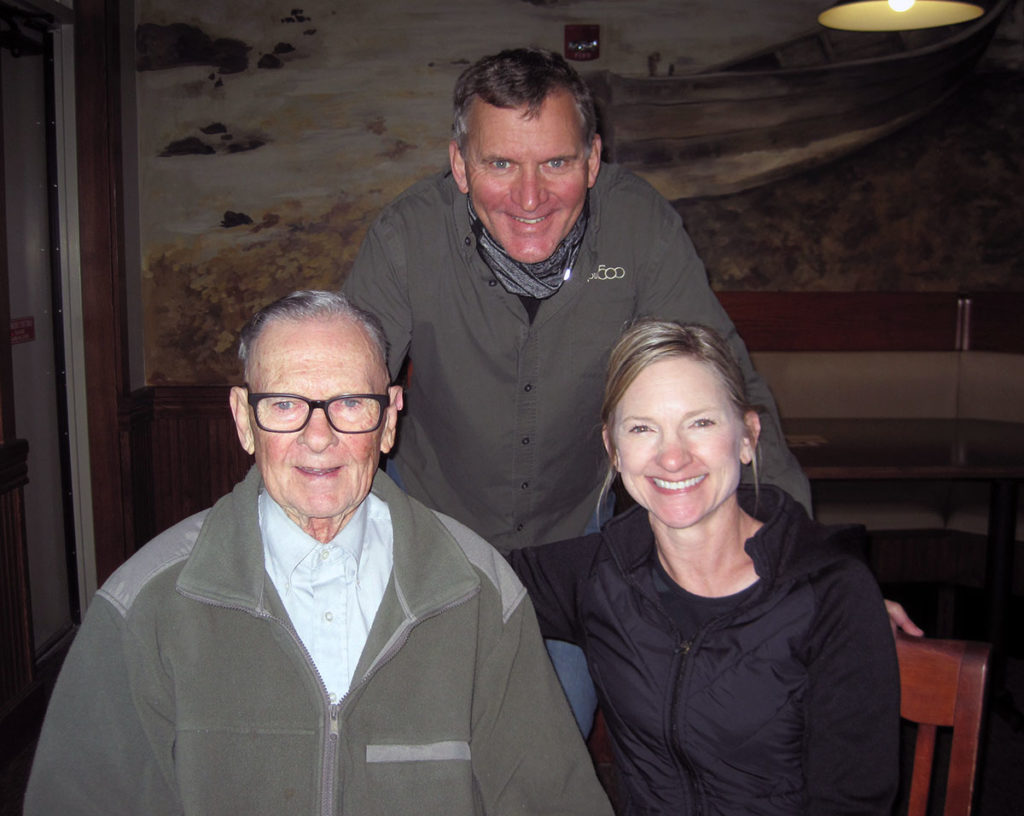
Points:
(552, 574)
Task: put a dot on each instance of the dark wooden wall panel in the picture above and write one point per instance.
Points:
(16, 657)
(183, 452)
(185, 456)
(104, 310)
(996, 321)
(845, 321)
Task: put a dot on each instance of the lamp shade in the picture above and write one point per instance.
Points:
(881, 15)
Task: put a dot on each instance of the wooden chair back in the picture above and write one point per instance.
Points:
(942, 684)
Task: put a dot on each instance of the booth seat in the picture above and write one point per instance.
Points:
(991, 386)
(863, 385)
(942, 524)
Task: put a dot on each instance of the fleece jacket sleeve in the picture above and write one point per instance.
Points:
(528, 755)
(94, 754)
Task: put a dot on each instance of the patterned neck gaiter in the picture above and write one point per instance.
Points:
(536, 280)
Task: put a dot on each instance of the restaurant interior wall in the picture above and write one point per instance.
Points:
(263, 153)
(256, 159)
(269, 141)
(244, 179)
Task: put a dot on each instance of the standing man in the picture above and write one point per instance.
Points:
(318, 642)
(506, 281)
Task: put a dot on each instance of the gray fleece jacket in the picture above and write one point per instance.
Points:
(187, 690)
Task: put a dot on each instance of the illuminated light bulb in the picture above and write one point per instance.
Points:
(898, 15)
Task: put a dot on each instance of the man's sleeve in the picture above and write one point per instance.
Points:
(528, 755)
(378, 283)
(94, 755)
(676, 287)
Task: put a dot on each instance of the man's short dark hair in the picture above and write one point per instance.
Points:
(311, 304)
(522, 77)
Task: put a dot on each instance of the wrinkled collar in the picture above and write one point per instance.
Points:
(226, 565)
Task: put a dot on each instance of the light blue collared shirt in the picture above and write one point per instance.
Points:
(331, 591)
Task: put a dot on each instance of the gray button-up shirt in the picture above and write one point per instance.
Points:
(502, 422)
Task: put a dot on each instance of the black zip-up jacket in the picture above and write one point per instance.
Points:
(788, 704)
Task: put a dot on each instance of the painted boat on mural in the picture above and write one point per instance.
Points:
(797, 105)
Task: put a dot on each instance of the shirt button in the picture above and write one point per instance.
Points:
(528, 387)
(492, 283)
(524, 485)
(526, 440)
(328, 616)
(325, 554)
(467, 240)
(519, 528)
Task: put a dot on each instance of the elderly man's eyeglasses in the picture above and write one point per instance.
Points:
(347, 413)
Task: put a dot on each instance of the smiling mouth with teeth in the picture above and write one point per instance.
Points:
(685, 483)
(529, 220)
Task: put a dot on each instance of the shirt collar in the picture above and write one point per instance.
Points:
(286, 545)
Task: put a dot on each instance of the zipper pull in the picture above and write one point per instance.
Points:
(335, 724)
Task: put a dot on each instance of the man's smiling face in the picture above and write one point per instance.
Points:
(527, 176)
(318, 475)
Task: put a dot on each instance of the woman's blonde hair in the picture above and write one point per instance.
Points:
(649, 341)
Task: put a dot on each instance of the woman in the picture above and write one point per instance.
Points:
(741, 652)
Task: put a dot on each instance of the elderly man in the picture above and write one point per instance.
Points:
(317, 642)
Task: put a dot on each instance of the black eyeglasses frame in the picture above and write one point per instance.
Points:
(384, 400)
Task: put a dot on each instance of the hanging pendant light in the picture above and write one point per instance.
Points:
(897, 15)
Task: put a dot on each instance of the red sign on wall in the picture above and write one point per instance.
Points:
(582, 42)
(23, 330)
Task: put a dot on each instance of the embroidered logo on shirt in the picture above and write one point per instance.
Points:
(607, 273)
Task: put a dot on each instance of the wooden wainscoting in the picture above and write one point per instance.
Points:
(992, 322)
(184, 454)
(877, 321)
(17, 681)
(847, 321)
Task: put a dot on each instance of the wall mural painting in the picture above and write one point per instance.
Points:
(265, 150)
(938, 206)
(269, 138)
